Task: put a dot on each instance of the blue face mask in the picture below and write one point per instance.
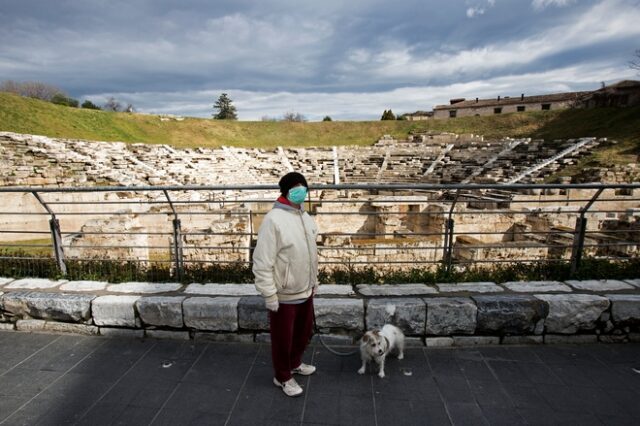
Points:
(297, 194)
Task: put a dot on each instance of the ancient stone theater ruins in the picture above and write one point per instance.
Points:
(400, 227)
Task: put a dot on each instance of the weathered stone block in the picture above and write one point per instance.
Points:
(436, 342)
(407, 314)
(34, 283)
(600, 285)
(635, 283)
(572, 339)
(222, 289)
(115, 311)
(7, 326)
(569, 313)
(4, 281)
(537, 286)
(395, 289)
(135, 287)
(513, 314)
(85, 286)
(625, 309)
(335, 290)
(347, 314)
(167, 334)
(475, 340)
(522, 340)
(121, 332)
(161, 311)
(450, 315)
(479, 287)
(30, 325)
(62, 327)
(252, 313)
(52, 306)
(211, 313)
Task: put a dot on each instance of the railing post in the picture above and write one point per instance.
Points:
(579, 234)
(250, 234)
(56, 236)
(448, 235)
(177, 240)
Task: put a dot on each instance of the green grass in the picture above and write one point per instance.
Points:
(24, 115)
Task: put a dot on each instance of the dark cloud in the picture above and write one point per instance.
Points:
(183, 50)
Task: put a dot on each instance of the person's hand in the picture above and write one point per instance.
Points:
(272, 305)
(315, 290)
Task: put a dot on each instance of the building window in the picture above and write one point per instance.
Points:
(452, 113)
(521, 108)
(546, 107)
(497, 110)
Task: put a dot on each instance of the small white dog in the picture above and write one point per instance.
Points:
(376, 345)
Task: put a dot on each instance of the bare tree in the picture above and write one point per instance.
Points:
(112, 105)
(635, 63)
(294, 117)
(32, 89)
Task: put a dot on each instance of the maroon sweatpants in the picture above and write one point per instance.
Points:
(291, 329)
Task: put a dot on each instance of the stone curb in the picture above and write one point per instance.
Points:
(435, 316)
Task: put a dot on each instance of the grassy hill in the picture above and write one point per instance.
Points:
(24, 115)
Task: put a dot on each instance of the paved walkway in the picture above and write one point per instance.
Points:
(48, 379)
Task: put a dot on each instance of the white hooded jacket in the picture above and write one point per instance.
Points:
(285, 260)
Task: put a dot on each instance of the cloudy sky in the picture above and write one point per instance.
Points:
(347, 59)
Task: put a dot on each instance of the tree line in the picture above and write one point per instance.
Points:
(49, 93)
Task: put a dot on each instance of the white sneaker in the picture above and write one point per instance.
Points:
(290, 387)
(304, 369)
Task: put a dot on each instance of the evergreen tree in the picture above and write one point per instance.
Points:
(388, 115)
(327, 118)
(225, 109)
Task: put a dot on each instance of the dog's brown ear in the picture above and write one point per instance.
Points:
(365, 338)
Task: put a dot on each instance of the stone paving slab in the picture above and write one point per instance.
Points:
(335, 290)
(222, 289)
(391, 290)
(635, 283)
(95, 380)
(34, 284)
(479, 287)
(143, 288)
(84, 286)
(536, 286)
(600, 285)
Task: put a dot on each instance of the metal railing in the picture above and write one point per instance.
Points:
(384, 226)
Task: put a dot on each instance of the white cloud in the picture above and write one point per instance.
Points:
(474, 11)
(604, 22)
(253, 105)
(543, 4)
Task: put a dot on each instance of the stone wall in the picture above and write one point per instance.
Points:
(435, 315)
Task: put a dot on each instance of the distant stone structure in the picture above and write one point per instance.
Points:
(403, 226)
(503, 105)
(625, 93)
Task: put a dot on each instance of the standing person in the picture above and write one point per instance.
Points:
(285, 265)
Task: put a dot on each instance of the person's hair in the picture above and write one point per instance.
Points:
(290, 180)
